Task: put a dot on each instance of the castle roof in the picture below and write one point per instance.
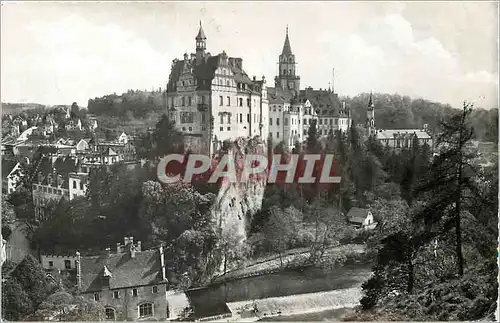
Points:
(204, 72)
(279, 95)
(324, 102)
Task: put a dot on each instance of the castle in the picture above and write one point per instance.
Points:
(212, 99)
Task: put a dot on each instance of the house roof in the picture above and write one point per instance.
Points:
(143, 269)
(357, 215)
(389, 134)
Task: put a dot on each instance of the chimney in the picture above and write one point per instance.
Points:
(132, 251)
(78, 271)
(162, 262)
(239, 63)
(125, 240)
(139, 246)
(131, 240)
(118, 248)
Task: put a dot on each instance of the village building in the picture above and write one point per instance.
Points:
(361, 218)
(131, 283)
(396, 139)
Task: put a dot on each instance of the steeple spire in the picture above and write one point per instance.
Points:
(287, 49)
(201, 34)
(370, 103)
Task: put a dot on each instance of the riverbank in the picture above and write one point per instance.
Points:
(291, 258)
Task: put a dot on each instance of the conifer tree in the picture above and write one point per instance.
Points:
(449, 186)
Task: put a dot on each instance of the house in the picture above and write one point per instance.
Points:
(74, 125)
(82, 145)
(13, 178)
(361, 218)
(123, 138)
(131, 284)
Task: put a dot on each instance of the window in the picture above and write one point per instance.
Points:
(277, 135)
(331, 121)
(277, 121)
(221, 119)
(221, 101)
(320, 121)
(189, 101)
(248, 117)
(203, 128)
(203, 117)
(145, 310)
(228, 101)
(134, 292)
(183, 101)
(284, 72)
(229, 119)
(51, 264)
(116, 295)
(337, 121)
(155, 289)
(202, 99)
(97, 297)
(270, 121)
(249, 102)
(190, 128)
(240, 102)
(286, 121)
(74, 184)
(228, 128)
(67, 264)
(110, 314)
(228, 83)
(81, 183)
(221, 129)
(241, 117)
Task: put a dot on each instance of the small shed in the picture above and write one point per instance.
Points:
(361, 218)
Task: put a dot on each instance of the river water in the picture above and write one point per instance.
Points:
(211, 300)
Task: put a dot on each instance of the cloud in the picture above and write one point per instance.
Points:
(84, 58)
(386, 56)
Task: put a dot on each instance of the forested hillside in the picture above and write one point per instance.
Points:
(393, 111)
(136, 110)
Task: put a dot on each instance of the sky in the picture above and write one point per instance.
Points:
(58, 53)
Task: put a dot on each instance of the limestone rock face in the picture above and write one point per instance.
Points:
(236, 203)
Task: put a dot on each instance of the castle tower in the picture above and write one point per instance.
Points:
(201, 45)
(370, 117)
(287, 78)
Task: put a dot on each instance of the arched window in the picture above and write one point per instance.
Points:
(110, 314)
(74, 184)
(290, 72)
(284, 72)
(146, 310)
(241, 102)
(290, 60)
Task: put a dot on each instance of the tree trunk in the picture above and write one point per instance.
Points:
(411, 276)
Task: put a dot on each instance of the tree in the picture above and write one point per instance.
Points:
(449, 185)
(281, 228)
(165, 139)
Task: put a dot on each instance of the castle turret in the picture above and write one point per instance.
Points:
(201, 45)
(370, 117)
(287, 75)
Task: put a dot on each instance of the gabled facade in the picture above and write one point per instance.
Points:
(130, 283)
(212, 99)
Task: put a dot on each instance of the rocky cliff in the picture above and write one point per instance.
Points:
(236, 203)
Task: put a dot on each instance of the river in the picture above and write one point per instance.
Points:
(211, 300)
